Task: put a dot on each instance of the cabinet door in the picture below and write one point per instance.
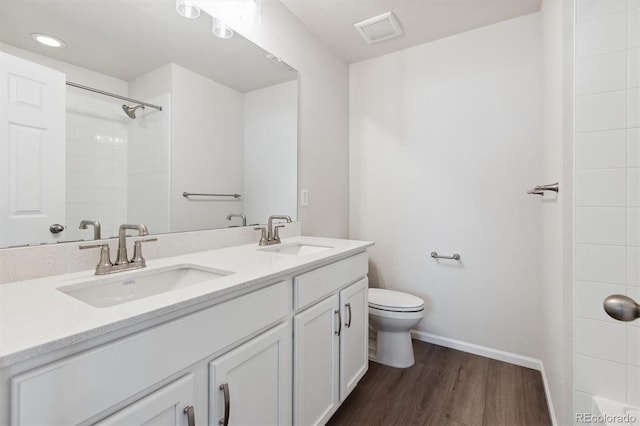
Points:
(316, 362)
(354, 339)
(165, 407)
(253, 382)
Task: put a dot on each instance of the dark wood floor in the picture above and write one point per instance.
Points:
(446, 387)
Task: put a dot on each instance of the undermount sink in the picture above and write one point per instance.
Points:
(297, 249)
(116, 290)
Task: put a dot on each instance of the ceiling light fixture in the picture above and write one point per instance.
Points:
(48, 40)
(220, 29)
(187, 8)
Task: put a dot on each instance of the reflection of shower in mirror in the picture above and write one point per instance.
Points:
(131, 111)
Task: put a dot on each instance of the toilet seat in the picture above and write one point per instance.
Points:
(394, 301)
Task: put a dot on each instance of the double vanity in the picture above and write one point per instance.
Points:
(244, 335)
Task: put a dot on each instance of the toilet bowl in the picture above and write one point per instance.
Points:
(392, 314)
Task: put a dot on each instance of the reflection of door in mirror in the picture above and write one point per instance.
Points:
(32, 152)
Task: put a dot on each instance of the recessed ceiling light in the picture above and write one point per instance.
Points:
(48, 40)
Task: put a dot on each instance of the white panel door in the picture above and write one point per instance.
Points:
(168, 406)
(32, 151)
(251, 385)
(316, 362)
(354, 339)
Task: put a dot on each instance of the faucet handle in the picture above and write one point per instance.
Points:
(276, 235)
(104, 265)
(263, 236)
(137, 258)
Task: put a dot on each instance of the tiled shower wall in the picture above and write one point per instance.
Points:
(607, 198)
(96, 178)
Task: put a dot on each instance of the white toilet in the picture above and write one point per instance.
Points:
(392, 314)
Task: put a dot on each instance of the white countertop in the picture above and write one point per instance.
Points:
(36, 318)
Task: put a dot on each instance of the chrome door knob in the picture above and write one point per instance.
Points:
(622, 308)
(56, 228)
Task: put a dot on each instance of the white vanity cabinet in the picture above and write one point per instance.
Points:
(330, 337)
(126, 376)
(285, 350)
(251, 385)
(171, 405)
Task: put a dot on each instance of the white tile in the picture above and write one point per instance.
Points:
(601, 225)
(602, 35)
(606, 111)
(633, 266)
(602, 73)
(633, 148)
(633, 385)
(603, 264)
(633, 346)
(600, 377)
(633, 108)
(606, 187)
(590, 297)
(634, 34)
(634, 68)
(633, 187)
(590, 9)
(601, 150)
(634, 4)
(601, 339)
(633, 226)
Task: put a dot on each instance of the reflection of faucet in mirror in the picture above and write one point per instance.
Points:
(240, 215)
(96, 227)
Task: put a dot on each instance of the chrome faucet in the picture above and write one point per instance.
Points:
(122, 258)
(240, 215)
(272, 236)
(96, 227)
(122, 262)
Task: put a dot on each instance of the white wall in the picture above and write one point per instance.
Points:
(445, 142)
(323, 144)
(556, 294)
(607, 198)
(271, 152)
(206, 151)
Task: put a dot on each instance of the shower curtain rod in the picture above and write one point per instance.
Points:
(113, 95)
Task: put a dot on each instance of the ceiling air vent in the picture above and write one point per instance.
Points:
(379, 28)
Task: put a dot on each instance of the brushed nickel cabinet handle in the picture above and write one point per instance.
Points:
(348, 306)
(339, 322)
(227, 404)
(191, 417)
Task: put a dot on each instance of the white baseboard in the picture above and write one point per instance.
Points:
(521, 360)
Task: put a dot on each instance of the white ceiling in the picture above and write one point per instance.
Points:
(127, 38)
(422, 20)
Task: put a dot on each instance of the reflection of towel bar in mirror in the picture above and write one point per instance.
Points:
(189, 194)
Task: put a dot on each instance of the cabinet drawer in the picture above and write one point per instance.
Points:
(318, 283)
(80, 387)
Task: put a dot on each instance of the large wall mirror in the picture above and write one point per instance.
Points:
(227, 128)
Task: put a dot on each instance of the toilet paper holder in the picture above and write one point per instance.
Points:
(435, 255)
